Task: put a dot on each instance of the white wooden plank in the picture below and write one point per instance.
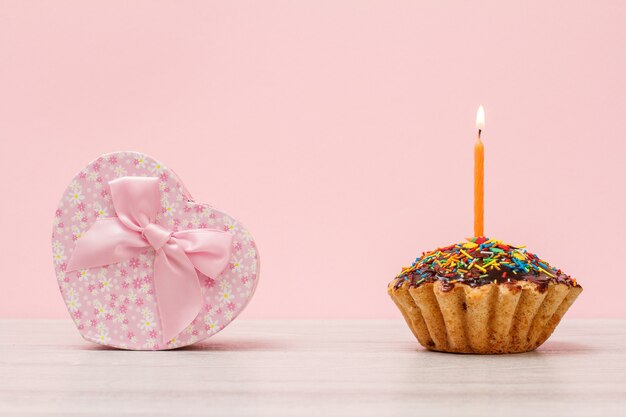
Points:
(310, 368)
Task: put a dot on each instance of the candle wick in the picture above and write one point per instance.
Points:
(479, 132)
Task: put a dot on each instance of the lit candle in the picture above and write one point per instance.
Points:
(479, 176)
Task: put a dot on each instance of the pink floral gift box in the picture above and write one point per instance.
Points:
(140, 264)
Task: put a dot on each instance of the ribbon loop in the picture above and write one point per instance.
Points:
(178, 255)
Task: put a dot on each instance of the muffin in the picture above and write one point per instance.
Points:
(482, 296)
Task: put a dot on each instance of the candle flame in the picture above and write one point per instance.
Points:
(480, 118)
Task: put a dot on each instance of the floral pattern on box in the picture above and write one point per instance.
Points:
(115, 305)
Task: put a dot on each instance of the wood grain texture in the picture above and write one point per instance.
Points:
(310, 368)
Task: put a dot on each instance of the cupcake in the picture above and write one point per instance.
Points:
(482, 296)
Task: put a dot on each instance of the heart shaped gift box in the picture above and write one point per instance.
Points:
(142, 266)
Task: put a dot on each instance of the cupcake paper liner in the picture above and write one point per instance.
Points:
(488, 319)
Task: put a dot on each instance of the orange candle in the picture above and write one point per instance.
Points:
(479, 176)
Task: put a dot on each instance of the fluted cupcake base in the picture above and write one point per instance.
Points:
(493, 318)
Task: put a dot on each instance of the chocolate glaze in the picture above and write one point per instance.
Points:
(541, 280)
(481, 261)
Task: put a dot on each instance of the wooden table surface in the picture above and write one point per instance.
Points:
(310, 368)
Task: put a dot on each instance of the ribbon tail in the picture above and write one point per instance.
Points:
(177, 288)
(106, 242)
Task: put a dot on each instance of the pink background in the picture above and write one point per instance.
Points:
(346, 129)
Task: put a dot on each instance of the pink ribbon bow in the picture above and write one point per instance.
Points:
(177, 254)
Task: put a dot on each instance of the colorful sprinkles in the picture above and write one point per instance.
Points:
(480, 261)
